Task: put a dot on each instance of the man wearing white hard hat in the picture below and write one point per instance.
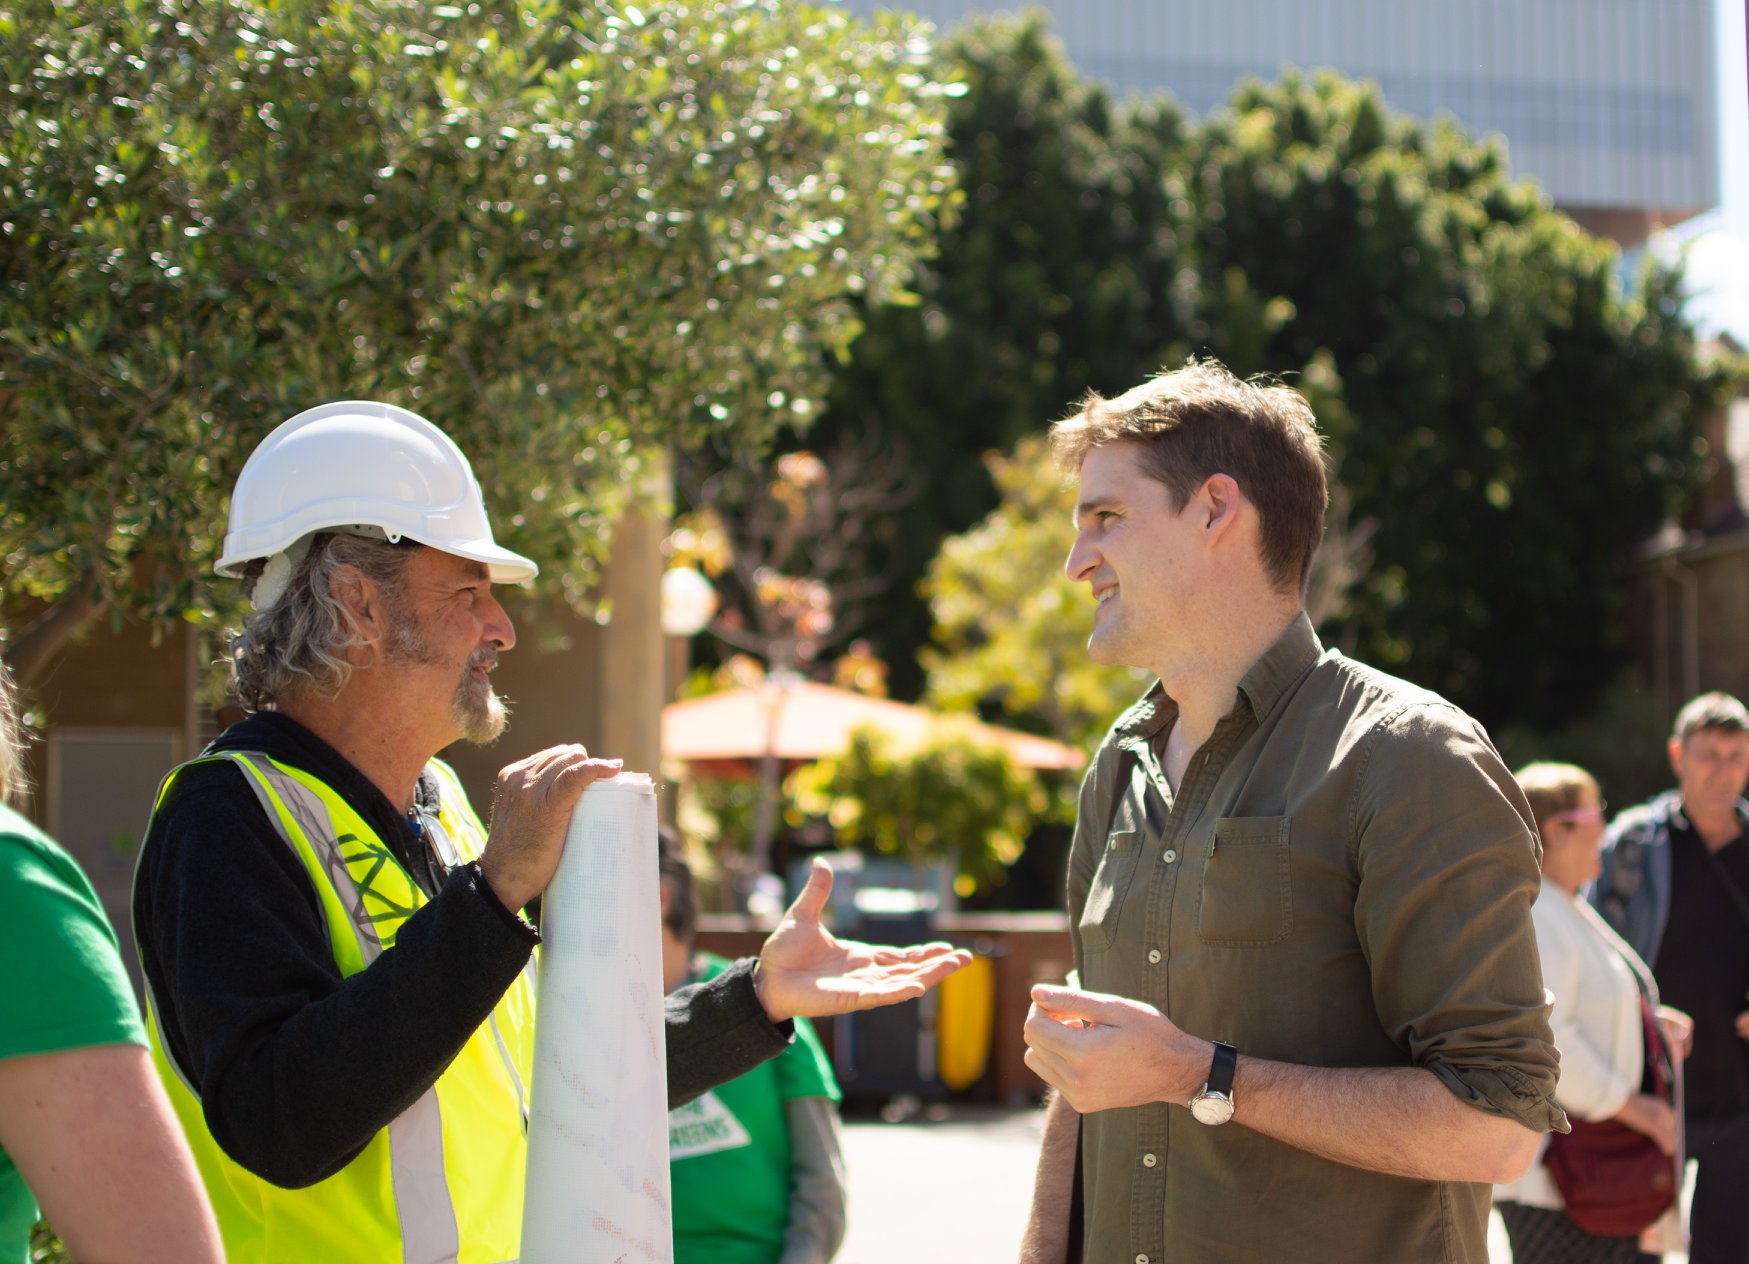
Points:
(334, 946)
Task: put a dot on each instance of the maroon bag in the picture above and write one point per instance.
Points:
(1614, 1181)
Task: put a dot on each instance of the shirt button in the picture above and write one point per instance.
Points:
(1153, 956)
(1169, 856)
(1149, 1160)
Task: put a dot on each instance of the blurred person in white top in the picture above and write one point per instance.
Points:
(1589, 972)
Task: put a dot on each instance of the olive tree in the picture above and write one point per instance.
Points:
(570, 234)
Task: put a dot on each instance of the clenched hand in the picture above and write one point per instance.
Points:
(531, 810)
(1101, 1052)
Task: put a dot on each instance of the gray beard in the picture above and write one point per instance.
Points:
(479, 712)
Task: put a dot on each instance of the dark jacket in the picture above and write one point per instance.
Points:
(296, 1067)
(1633, 890)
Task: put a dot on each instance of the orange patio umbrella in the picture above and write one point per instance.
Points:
(723, 734)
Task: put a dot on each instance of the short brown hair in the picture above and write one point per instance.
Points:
(1201, 420)
(1719, 712)
(1552, 788)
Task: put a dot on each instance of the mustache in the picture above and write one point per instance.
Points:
(486, 656)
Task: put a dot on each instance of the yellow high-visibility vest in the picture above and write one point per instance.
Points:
(442, 1184)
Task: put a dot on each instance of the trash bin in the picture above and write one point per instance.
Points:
(891, 1051)
(965, 1022)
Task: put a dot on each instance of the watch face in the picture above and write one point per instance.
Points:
(1211, 1108)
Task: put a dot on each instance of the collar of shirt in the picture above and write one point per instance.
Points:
(1262, 685)
(277, 735)
(1679, 822)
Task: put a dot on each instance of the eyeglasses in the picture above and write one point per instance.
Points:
(1579, 816)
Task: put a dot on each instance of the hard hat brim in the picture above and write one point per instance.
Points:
(502, 566)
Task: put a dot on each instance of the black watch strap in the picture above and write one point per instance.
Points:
(1221, 1069)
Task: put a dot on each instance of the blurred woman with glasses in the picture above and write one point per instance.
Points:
(1612, 1067)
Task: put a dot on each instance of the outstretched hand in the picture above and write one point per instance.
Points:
(804, 971)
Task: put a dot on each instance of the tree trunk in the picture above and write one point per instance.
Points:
(33, 647)
(777, 684)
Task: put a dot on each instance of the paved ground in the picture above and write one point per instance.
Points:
(934, 1192)
(955, 1190)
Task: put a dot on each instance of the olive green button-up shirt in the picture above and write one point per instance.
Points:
(1344, 878)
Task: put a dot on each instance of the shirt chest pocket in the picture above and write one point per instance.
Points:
(1111, 882)
(1247, 887)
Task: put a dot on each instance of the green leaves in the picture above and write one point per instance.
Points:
(1518, 422)
(1049, 281)
(951, 798)
(1509, 418)
(501, 215)
(1011, 629)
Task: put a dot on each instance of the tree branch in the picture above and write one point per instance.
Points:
(30, 651)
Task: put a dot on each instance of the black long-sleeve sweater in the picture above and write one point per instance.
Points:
(296, 1067)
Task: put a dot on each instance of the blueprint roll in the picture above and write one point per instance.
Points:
(597, 1183)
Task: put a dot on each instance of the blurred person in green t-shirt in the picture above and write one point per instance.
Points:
(756, 1166)
(85, 1128)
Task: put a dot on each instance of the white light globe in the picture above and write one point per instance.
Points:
(688, 601)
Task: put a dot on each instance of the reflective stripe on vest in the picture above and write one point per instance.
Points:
(402, 1200)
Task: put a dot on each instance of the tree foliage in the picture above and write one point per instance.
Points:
(1054, 278)
(1518, 422)
(788, 542)
(1509, 419)
(1011, 628)
(570, 234)
(952, 798)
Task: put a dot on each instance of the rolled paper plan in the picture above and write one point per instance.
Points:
(597, 1185)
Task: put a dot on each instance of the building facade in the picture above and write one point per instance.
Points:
(1689, 604)
(1610, 105)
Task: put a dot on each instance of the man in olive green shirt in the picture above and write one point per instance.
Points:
(1324, 869)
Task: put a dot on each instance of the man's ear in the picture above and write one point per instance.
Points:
(1674, 748)
(366, 610)
(1219, 502)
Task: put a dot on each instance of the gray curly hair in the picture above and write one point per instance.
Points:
(11, 738)
(296, 646)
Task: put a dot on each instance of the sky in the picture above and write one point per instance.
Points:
(1717, 244)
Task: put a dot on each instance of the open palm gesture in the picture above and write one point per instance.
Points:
(804, 971)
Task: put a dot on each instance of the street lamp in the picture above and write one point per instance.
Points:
(688, 601)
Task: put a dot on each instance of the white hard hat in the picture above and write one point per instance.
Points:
(360, 464)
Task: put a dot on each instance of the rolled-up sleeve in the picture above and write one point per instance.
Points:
(1448, 870)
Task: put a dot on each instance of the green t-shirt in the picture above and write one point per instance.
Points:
(729, 1154)
(63, 986)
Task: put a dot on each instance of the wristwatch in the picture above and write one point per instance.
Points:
(1214, 1104)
